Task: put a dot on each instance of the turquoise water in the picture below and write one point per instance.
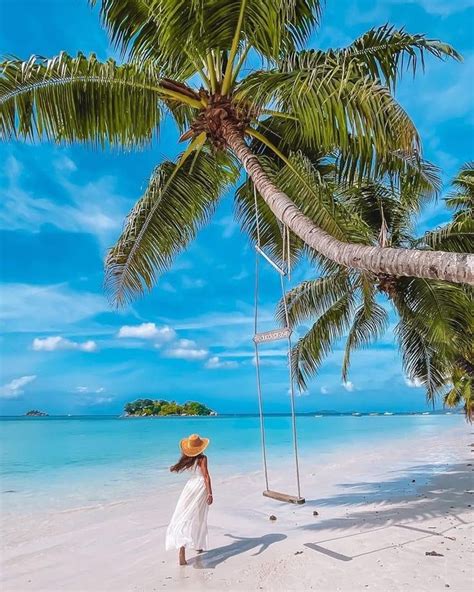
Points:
(77, 461)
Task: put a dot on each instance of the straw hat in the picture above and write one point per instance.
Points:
(193, 445)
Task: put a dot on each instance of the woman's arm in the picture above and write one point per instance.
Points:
(207, 479)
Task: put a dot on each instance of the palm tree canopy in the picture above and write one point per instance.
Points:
(435, 322)
(175, 32)
(185, 60)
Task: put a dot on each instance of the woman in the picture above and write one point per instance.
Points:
(188, 526)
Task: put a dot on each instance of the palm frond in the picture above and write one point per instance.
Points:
(80, 99)
(369, 323)
(384, 52)
(134, 32)
(418, 182)
(461, 391)
(334, 109)
(178, 201)
(419, 356)
(445, 309)
(172, 30)
(301, 180)
(435, 321)
(378, 205)
(312, 298)
(282, 133)
(461, 200)
(309, 352)
(456, 236)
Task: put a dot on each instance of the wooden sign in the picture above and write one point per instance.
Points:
(274, 335)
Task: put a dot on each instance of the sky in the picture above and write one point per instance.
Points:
(65, 350)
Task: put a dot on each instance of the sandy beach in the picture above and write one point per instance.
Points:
(379, 512)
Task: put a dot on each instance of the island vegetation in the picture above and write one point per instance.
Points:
(160, 407)
(36, 413)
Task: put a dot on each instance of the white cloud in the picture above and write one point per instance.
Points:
(324, 390)
(88, 396)
(186, 349)
(85, 389)
(349, 386)
(298, 392)
(414, 383)
(26, 307)
(167, 287)
(15, 388)
(57, 343)
(224, 319)
(192, 283)
(187, 343)
(148, 331)
(266, 360)
(216, 363)
(64, 163)
(242, 275)
(94, 207)
(229, 225)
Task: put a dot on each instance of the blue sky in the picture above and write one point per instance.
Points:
(65, 351)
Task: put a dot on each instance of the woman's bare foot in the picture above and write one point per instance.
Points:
(182, 556)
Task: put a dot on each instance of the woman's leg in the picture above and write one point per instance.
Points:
(182, 556)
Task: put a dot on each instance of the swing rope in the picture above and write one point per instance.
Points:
(257, 359)
(286, 255)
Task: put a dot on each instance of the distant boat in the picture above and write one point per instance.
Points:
(318, 416)
(357, 414)
(373, 413)
(388, 413)
(425, 413)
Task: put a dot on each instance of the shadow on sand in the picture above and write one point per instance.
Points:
(413, 496)
(210, 559)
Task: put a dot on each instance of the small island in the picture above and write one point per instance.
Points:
(36, 413)
(162, 408)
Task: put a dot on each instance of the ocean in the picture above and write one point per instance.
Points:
(58, 463)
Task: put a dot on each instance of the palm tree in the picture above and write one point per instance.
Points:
(186, 59)
(459, 233)
(435, 323)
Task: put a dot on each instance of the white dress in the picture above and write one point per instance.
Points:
(188, 526)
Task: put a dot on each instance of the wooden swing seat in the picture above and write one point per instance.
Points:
(284, 497)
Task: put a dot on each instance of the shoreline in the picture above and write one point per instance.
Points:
(119, 484)
(380, 509)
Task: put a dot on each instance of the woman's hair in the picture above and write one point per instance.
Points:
(185, 462)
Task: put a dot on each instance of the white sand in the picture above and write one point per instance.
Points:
(375, 525)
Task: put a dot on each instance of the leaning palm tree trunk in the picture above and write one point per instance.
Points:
(453, 267)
